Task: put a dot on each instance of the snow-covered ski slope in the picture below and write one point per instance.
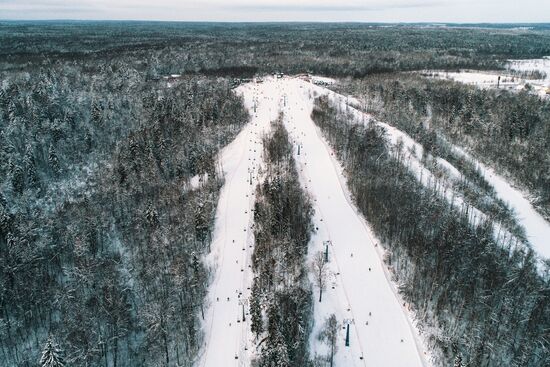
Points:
(359, 291)
(537, 229)
(227, 337)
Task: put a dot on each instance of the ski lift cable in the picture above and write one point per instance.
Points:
(338, 269)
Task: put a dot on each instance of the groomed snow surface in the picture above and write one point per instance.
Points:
(227, 338)
(359, 291)
(537, 229)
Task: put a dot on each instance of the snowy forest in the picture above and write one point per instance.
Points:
(280, 291)
(126, 147)
(468, 291)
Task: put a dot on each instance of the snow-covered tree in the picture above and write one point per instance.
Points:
(51, 355)
(458, 361)
(319, 267)
(255, 309)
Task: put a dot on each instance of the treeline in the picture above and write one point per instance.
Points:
(505, 129)
(281, 303)
(478, 303)
(348, 49)
(101, 233)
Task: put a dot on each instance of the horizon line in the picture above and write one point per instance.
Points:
(269, 21)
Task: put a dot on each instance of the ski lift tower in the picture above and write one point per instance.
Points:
(326, 244)
(243, 302)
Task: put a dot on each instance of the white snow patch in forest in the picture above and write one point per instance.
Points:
(542, 65)
(196, 181)
(490, 79)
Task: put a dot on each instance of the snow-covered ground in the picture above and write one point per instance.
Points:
(490, 79)
(542, 65)
(227, 337)
(360, 292)
(537, 229)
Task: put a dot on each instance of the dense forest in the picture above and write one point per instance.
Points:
(508, 130)
(281, 302)
(101, 233)
(479, 303)
(109, 183)
(241, 49)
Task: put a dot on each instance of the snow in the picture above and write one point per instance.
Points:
(489, 79)
(485, 79)
(536, 227)
(196, 181)
(360, 295)
(363, 291)
(452, 170)
(360, 291)
(226, 336)
(542, 65)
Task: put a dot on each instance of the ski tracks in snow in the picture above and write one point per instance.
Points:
(227, 337)
(359, 291)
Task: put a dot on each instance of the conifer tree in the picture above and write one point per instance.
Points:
(53, 160)
(51, 355)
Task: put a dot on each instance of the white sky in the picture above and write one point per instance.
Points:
(283, 10)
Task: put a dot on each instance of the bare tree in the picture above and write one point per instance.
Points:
(319, 268)
(329, 334)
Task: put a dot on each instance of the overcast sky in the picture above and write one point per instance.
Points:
(283, 10)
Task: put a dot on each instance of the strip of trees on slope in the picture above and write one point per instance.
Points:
(478, 303)
(281, 302)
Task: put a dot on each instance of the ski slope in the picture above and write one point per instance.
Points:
(227, 338)
(359, 291)
(537, 228)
